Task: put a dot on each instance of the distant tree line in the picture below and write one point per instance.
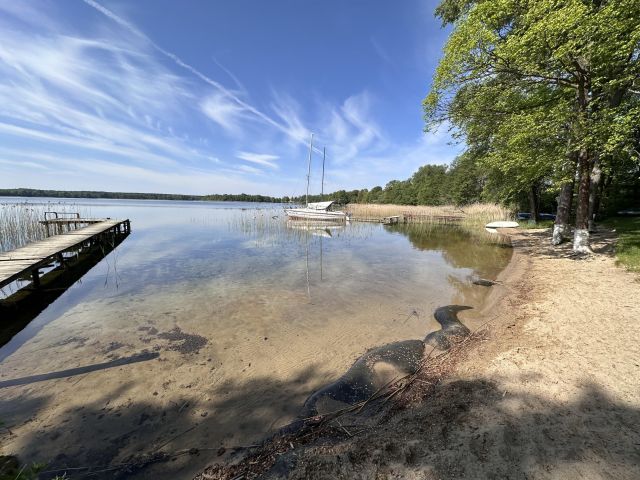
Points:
(31, 192)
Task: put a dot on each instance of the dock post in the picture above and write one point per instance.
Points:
(35, 275)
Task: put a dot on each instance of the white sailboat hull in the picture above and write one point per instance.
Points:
(315, 215)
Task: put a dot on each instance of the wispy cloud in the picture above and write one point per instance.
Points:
(249, 169)
(87, 94)
(110, 101)
(230, 95)
(382, 53)
(225, 112)
(259, 158)
(62, 172)
(235, 79)
(351, 129)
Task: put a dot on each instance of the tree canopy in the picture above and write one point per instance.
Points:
(542, 91)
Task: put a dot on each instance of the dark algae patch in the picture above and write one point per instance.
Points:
(179, 341)
(183, 342)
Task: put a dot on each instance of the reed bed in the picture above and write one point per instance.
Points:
(469, 215)
(19, 222)
(271, 227)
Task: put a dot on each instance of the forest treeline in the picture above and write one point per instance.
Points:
(460, 183)
(226, 197)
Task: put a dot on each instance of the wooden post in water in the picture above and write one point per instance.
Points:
(35, 275)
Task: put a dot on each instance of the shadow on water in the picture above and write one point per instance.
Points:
(70, 372)
(20, 308)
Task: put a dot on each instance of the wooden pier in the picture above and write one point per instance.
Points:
(28, 260)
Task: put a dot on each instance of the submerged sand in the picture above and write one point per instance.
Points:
(166, 376)
(553, 391)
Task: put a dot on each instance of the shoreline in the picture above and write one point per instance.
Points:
(550, 392)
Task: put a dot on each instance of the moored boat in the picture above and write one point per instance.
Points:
(318, 211)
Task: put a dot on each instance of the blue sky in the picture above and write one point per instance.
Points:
(215, 96)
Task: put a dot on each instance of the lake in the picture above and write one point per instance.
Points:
(210, 325)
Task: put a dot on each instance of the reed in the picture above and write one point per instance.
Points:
(469, 215)
(19, 222)
(271, 227)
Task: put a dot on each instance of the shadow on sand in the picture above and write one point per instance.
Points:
(472, 429)
(506, 435)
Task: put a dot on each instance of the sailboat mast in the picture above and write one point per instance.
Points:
(309, 167)
(324, 154)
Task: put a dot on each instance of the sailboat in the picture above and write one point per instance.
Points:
(317, 211)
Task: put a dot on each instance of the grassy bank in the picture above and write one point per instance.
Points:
(628, 246)
(471, 215)
(540, 225)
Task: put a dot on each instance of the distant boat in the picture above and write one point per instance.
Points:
(318, 211)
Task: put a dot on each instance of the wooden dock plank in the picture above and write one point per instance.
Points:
(30, 257)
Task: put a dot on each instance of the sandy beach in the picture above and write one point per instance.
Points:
(549, 390)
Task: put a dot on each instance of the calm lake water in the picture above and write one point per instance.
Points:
(233, 318)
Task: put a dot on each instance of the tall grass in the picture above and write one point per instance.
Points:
(471, 215)
(19, 222)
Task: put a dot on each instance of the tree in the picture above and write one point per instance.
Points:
(375, 195)
(539, 84)
(430, 185)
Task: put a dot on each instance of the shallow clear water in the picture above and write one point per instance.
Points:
(247, 315)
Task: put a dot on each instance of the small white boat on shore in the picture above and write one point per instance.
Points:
(502, 224)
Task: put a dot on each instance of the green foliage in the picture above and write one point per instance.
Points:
(430, 184)
(10, 469)
(528, 83)
(540, 224)
(628, 246)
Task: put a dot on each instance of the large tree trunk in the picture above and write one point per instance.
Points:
(561, 225)
(594, 194)
(533, 203)
(581, 233)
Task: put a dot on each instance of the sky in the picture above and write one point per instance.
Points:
(199, 97)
